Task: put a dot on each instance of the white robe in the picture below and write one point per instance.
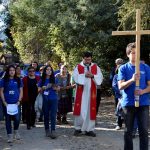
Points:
(83, 122)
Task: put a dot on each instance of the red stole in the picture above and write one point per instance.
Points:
(79, 92)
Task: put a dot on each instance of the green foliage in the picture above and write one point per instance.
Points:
(62, 29)
(127, 13)
(127, 16)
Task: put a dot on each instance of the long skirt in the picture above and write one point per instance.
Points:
(64, 105)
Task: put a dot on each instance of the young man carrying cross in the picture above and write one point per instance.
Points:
(126, 81)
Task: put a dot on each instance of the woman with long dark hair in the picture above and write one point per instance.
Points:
(11, 94)
(48, 88)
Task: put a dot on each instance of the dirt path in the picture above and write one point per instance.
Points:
(107, 138)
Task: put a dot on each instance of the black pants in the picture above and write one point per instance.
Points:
(142, 114)
(24, 110)
(119, 119)
(30, 114)
(98, 100)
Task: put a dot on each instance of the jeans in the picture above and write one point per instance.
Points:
(1, 111)
(142, 114)
(24, 112)
(49, 111)
(8, 118)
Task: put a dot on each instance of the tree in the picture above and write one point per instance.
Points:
(71, 28)
(127, 21)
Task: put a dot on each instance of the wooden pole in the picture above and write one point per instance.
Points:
(138, 38)
(137, 60)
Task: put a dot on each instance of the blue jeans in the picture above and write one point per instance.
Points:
(49, 111)
(142, 114)
(8, 118)
(1, 111)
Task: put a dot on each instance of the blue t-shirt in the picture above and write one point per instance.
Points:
(37, 73)
(56, 72)
(50, 92)
(11, 90)
(25, 73)
(125, 73)
(115, 86)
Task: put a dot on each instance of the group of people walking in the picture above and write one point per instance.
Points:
(56, 91)
(19, 94)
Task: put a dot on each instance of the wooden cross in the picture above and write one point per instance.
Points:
(138, 34)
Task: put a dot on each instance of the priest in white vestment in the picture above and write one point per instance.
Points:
(87, 76)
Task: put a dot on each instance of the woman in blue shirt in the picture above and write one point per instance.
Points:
(48, 88)
(11, 95)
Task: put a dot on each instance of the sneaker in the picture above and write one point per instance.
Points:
(16, 135)
(10, 138)
(28, 127)
(53, 134)
(117, 128)
(77, 132)
(90, 133)
(48, 134)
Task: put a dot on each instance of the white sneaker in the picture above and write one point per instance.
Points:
(10, 138)
(16, 135)
(117, 128)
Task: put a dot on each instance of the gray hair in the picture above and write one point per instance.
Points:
(119, 61)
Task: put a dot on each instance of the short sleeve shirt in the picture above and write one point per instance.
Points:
(50, 92)
(126, 72)
(11, 90)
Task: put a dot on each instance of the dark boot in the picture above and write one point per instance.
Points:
(58, 119)
(90, 133)
(77, 133)
(64, 120)
(47, 132)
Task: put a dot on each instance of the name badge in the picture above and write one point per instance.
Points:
(46, 93)
(11, 92)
